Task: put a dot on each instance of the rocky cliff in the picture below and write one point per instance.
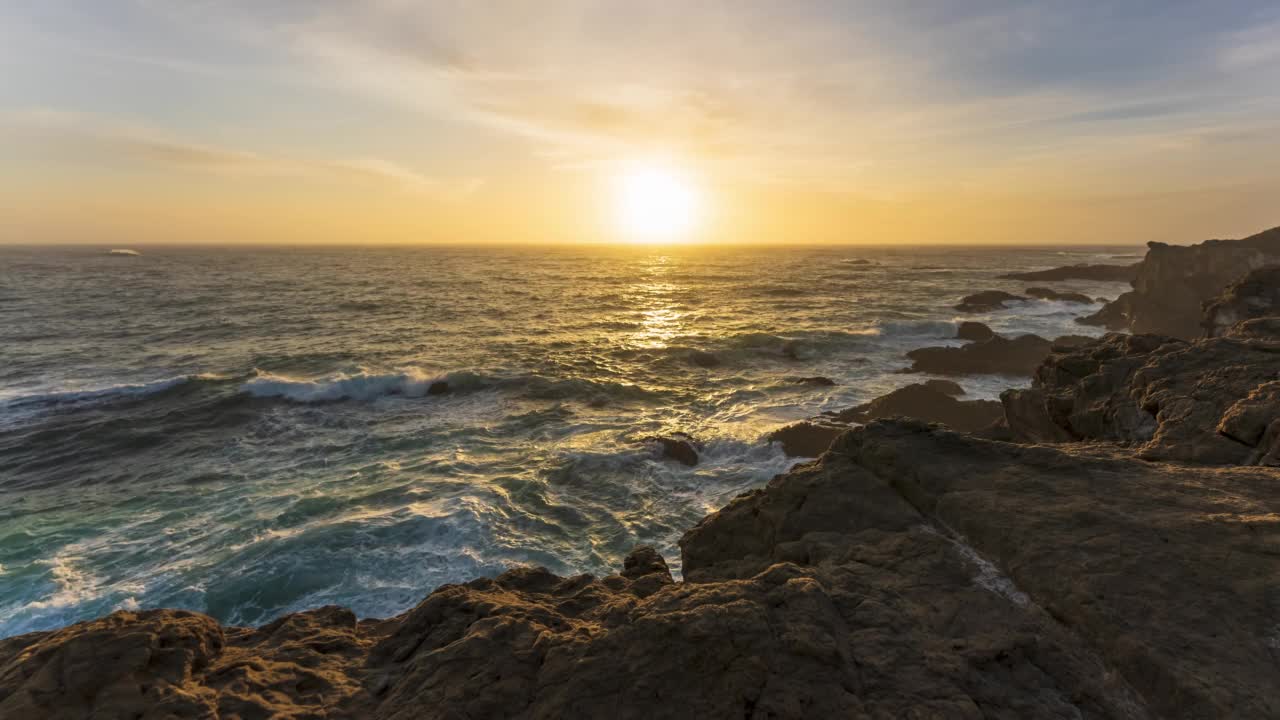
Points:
(1172, 283)
(911, 572)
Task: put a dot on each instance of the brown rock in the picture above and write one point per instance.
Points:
(1173, 282)
(932, 401)
(975, 331)
(998, 355)
(1168, 397)
(1255, 295)
(805, 438)
(986, 301)
(1103, 273)
(679, 447)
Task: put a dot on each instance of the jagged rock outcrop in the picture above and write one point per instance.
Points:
(1168, 397)
(986, 301)
(1044, 293)
(1255, 295)
(1173, 282)
(931, 401)
(996, 355)
(913, 572)
(1102, 273)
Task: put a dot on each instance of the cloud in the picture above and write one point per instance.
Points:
(79, 137)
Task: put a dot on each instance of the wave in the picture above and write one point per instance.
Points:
(362, 385)
(110, 392)
(941, 329)
(123, 251)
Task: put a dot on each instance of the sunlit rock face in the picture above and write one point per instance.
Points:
(1173, 282)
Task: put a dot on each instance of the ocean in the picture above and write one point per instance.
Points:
(251, 432)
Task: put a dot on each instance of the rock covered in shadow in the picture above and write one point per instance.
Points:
(1168, 397)
(807, 438)
(1097, 273)
(974, 331)
(678, 446)
(1173, 282)
(1255, 295)
(911, 572)
(931, 401)
(815, 381)
(996, 355)
(986, 301)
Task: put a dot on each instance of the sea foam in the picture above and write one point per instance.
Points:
(362, 385)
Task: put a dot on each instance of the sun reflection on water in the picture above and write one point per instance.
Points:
(654, 297)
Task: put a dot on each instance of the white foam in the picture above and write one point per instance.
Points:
(342, 386)
(123, 251)
(123, 390)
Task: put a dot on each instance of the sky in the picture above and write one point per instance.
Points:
(389, 121)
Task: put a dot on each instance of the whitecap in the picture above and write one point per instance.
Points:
(362, 385)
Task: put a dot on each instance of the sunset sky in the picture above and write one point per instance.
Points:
(295, 121)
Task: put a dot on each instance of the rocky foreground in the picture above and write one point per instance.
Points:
(911, 572)
(1106, 544)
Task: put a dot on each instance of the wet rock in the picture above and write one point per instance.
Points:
(439, 387)
(805, 438)
(1255, 295)
(1100, 273)
(1173, 282)
(975, 331)
(931, 401)
(679, 447)
(911, 572)
(996, 355)
(986, 301)
(1204, 401)
(705, 359)
(816, 381)
(1044, 293)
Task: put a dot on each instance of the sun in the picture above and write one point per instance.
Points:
(656, 203)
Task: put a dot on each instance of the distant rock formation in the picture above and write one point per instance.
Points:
(1173, 282)
(986, 301)
(1097, 273)
(994, 356)
(912, 572)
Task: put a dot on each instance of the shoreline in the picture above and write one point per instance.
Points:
(1059, 563)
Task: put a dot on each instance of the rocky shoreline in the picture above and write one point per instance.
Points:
(1103, 544)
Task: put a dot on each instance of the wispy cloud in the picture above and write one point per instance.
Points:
(79, 137)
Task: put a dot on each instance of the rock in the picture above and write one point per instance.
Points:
(911, 572)
(705, 359)
(439, 387)
(946, 387)
(1051, 294)
(975, 331)
(997, 355)
(678, 446)
(805, 438)
(986, 301)
(1255, 295)
(1100, 273)
(816, 381)
(932, 401)
(1258, 329)
(1173, 282)
(1169, 398)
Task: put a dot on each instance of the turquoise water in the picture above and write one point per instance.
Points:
(250, 432)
